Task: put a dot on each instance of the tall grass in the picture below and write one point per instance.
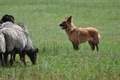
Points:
(57, 60)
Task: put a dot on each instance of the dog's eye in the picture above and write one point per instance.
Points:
(64, 23)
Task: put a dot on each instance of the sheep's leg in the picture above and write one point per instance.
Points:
(1, 59)
(11, 60)
(22, 57)
(14, 55)
(6, 58)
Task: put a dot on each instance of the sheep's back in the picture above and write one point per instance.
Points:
(14, 39)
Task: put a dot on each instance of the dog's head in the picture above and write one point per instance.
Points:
(7, 17)
(66, 23)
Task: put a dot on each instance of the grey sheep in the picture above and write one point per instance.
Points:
(18, 40)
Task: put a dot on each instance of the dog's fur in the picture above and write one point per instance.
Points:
(80, 35)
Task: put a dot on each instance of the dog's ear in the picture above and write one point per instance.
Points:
(69, 19)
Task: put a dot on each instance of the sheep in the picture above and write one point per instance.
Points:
(2, 47)
(8, 23)
(14, 40)
(15, 26)
(18, 26)
(19, 41)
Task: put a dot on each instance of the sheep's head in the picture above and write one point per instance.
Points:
(7, 17)
(32, 53)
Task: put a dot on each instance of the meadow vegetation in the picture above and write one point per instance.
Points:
(56, 59)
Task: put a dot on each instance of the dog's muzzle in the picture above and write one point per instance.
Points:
(62, 26)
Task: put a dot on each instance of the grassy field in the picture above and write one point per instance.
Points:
(56, 59)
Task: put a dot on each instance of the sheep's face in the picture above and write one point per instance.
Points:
(32, 53)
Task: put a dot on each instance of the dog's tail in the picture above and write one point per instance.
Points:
(98, 38)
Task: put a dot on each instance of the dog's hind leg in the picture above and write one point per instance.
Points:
(96, 39)
(92, 45)
(97, 48)
(96, 45)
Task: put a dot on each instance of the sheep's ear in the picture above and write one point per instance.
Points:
(37, 50)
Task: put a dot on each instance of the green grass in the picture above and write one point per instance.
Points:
(57, 60)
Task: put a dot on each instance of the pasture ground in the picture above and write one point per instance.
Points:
(56, 59)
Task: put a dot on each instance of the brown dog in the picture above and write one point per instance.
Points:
(80, 35)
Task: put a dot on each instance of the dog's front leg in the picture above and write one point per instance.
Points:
(75, 46)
